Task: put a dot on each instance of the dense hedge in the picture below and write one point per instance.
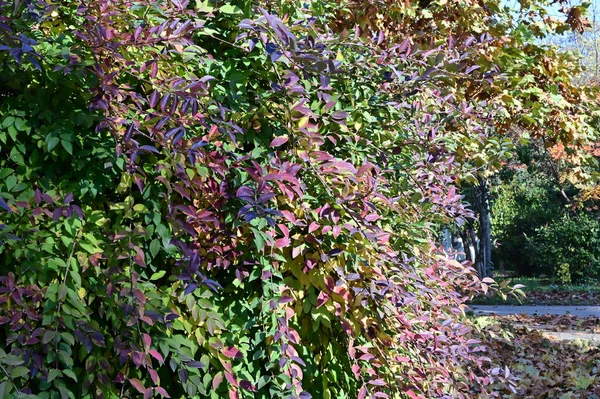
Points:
(217, 199)
(204, 200)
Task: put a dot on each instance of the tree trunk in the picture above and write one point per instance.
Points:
(485, 229)
(466, 243)
(475, 243)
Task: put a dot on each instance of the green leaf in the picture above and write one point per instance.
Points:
(8, 121)
(157, 275)
(76, 277)
(12, 132)
(230, 9)
(70, 374)
(52, 374)
(52, 142)
(88, 247)
(140, 208)
(62, 291)
(20, 124)
(67, 145)
(204, 6)
(154, 247)
(48, 336)
(68, 338)
(5, 389)
(259, 240)
(12, 360)
(19, 371)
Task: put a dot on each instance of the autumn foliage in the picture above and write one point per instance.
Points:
(231, 199)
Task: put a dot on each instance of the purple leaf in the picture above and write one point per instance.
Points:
(246, 24)
(190, 288)
(153, 99)
(471, 68)
(339, 115)
(56, 214)
(196, 364)
(4, 205)
(247, 385)
(149, 148)
(335, 252)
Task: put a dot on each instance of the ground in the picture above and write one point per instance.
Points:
(541, 291)
(551, 351)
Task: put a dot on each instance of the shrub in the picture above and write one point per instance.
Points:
(523, 204)
(569, 245)
(211, 200)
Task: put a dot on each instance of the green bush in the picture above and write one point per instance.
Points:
(521, 206)
(569, 246)
(537, 236)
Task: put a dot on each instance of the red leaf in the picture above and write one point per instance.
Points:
(362, 393)
(411, 394)
(233, 353)
(154, 376)
(137, 384)
(161, 391)
(330, 283)
(277, 141)
(322, 299)
(156, 355)
(138, 258)
(147, 340)
(289, 313)
(282, 242)
(296, 251)
(232, 379)
(217, 380)
(312, 227)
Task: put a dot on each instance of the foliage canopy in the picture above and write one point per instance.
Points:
(216, 198)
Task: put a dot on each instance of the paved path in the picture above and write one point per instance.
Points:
(503, 310)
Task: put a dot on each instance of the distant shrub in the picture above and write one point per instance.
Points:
(521, 206)
(568, 246)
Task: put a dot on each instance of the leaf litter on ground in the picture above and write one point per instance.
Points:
(542, 367)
